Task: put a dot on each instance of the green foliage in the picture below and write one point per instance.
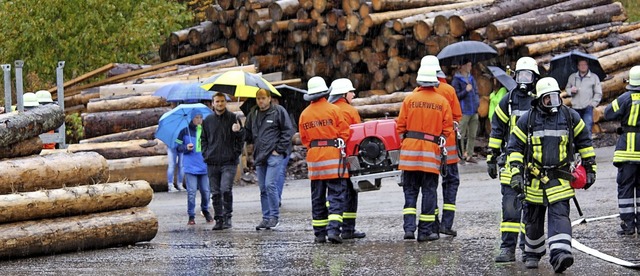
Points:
(633, 9)
(86, 34)
(73, 128)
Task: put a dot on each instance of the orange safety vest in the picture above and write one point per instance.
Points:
(449, 93)
(350, 113)
(323, 121)
(423, 111)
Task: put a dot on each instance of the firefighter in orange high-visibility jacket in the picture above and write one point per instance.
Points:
(324, 130)
(341, 93)
(451, 180)
(424, 122)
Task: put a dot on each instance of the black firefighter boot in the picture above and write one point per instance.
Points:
(219, 224)
(227, 222)
(506, 255)
(628, 229)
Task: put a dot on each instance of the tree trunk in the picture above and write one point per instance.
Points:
(379, 110)
(148, 168)
(73, 201)
(268, 63)
(72, 234)
(128, 103)
(517, 41)
(122, 149)
(283, 9)
(82, 98)
(203, 34)
(396, 97)
(622, 59)
(146, 133)
(51, 171)
(257, 4)
(614, 50)
(102, 123)
(393, 5)
(257, 15)
(460, 24)
(178, 37)
(279, 26)
(556, 22)
(375, 19)
(615, 86)
(31, 146)
(17, 127)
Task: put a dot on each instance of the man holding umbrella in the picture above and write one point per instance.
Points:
(586, 92)
(269, 129)
(221, 147)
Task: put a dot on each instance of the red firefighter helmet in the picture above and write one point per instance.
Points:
(579, 177)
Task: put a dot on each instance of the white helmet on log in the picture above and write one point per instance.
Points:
(634, 78)
(30, 100)
(44, 96)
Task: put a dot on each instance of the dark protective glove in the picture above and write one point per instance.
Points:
(517, 181)
(492, 167)
(591, 178)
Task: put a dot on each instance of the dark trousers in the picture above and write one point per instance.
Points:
(221, 181)
(511, 226)
(351, 208)
(450, 184)
(628, 194)
(327, 220)
(558, 230)
(413, 182)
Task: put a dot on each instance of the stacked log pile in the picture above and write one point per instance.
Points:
(51, 204)
(378, 44)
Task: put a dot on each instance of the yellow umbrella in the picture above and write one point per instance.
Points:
(238, 84)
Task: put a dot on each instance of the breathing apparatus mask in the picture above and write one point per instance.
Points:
(550, 102)
(526, 81)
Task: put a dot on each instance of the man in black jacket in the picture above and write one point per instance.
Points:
(221, 146)
(269, 129)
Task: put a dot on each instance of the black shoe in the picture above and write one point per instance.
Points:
(219, 224)
(430, 237)
(564, 261)
(227, 223)
(334, 238)
(627, 229)
(448, 231)
(272, 223)
(263, 224)
(320, 239)
(353, 235)
(531, 263)
(409, 235)
(207, 216)
(506, 255)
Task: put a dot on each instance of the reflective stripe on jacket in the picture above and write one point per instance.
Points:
(626, 108)
(322, 120)
(548, 149)
(427, 112)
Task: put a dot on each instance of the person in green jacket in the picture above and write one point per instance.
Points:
(495, 96)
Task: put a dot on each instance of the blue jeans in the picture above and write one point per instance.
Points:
(268, 191)
(282, 175)
(197, 182)
(175, 159)
(587, 116)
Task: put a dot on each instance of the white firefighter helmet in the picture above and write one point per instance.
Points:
(433, 62)
(341, 86)
(30, 100)
(634, 76)
(44, 96)
(548, 86)
(527, 63)
(316, 89)
(427, 76)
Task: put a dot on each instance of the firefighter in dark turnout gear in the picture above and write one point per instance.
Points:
(424, 121)
(450, 181)
(540, 152)
(513, 105)
(342, 92)
(626, 157)
(323, 130)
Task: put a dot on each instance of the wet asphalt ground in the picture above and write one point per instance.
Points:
(179, 249)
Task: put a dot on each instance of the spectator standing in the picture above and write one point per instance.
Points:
(586, 92)
(467, 92)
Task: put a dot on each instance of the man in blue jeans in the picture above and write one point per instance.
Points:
(586, 92)
(269, 129)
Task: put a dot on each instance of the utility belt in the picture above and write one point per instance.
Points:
(438, 140)
(423, 136)
(545, 175)
(327, 143)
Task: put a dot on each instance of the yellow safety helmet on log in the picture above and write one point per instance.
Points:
(634, 78)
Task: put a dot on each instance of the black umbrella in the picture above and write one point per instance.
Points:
(291, 99)
(506, 80)
(459, 52)
(565, 64)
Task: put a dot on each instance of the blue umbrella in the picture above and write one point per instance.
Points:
(167, 90)
(172, 122)
(190, 93)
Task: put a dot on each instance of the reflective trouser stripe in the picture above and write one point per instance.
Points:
(449, 207)
(335, 217)
(320, 222)
(436, 212)
(427, 218)
(409, 211)
(512, 227)
(348, 215)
